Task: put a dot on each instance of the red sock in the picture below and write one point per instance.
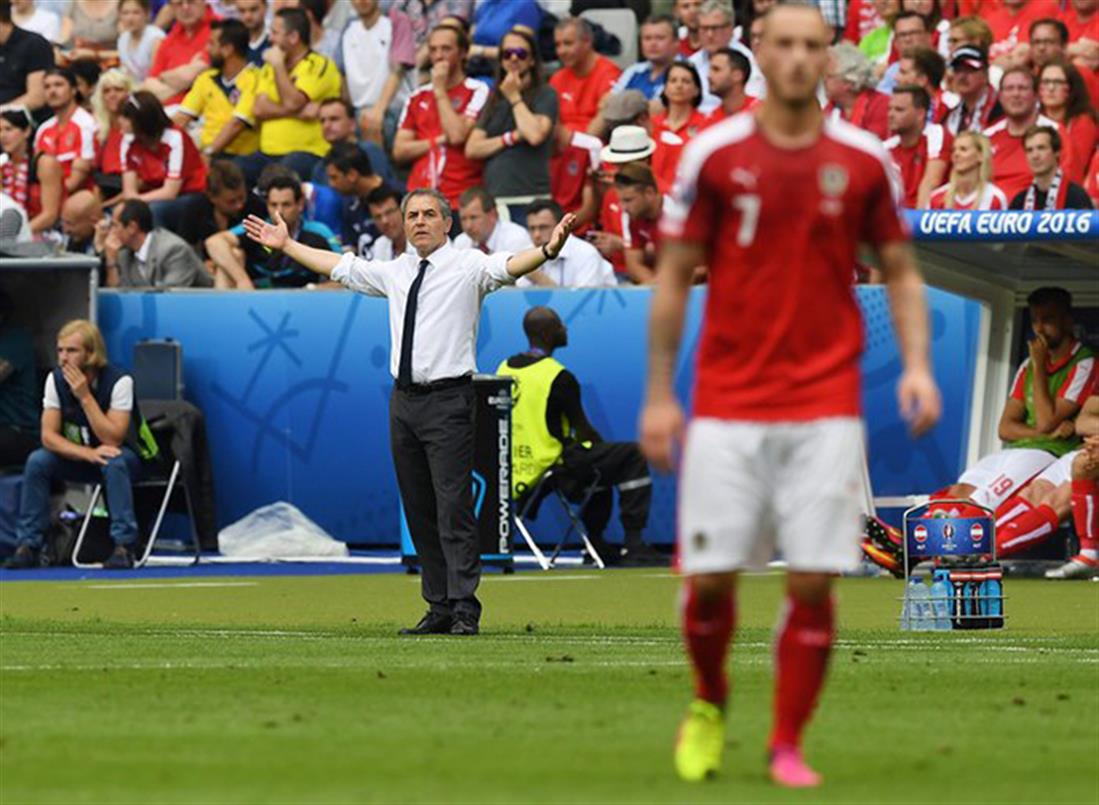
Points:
(801, 659)
(1085, 512)
(1026, 530)
(708, 630)
(1011, 508)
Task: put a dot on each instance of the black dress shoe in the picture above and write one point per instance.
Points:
(431, 623)
(121, 559)
(24, 558)
(465, 626)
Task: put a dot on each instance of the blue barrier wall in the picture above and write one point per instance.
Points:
(295, 386)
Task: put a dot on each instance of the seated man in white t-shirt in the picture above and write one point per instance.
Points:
(482, 228)
(92, 432)
(579, 264)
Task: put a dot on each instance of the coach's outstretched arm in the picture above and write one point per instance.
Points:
(522, 263)
(276, 236)
(662, 417)
(917, 393)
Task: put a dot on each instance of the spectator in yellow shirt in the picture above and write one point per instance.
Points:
(217, 93)
(293, 82)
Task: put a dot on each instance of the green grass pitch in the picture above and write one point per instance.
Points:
(295, 689)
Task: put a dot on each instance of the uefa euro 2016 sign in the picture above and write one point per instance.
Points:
(933, 225)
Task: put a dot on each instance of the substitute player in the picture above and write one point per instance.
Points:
(775, 202)
(1023, 484)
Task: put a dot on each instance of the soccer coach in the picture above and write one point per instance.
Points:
(434, 309)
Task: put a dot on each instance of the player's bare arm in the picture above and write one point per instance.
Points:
(1013, 426)
(917, 393)
(276, 237)
(662, 421)
(1087, 423)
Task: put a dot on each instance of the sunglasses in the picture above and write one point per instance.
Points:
(515, 53)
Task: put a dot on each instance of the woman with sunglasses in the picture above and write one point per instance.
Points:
(513, 133)
(160, 163)
(33, 180)
(1063, 96)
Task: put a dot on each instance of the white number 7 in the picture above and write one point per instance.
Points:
(749, 218)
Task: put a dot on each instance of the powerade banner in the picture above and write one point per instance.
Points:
(956, 225)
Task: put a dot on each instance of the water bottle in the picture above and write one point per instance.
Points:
(942, 598)
(992, 599)
(917, 606)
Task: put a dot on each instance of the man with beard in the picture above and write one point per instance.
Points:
(216, 93)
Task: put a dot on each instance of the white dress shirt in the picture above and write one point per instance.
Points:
(506, 236)
(448, 308)
(579, 265)
(382, 249)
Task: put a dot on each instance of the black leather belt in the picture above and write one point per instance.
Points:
(436, 385)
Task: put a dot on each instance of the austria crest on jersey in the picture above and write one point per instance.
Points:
(833, 182)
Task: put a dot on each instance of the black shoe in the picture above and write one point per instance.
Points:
(465, 626)
(610, 554)
(643, 556)
(121, 559)
(431, 623)
(24, 558)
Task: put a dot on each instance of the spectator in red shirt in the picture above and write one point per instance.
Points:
(970, 186)
(729, 74)
(70, 134)
(110, 94)
(849, 85)
(1092, 182)
(1019, 96)
(629, 108)
(182, 53)
(924, 67)
(161, 165)
(641, 200)
(681, 97)
(438, 118)
(918, 148)
(1063, 96)
(1081, 17)
(1051, 188)
(1049, 43)
(32, 180)
(686, 11)
(575, 159)
(1010, 22)
(978, 106)
(584, 78)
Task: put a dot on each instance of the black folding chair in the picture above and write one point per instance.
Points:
(550, 484)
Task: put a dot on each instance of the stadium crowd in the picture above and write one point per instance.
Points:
(144, 131)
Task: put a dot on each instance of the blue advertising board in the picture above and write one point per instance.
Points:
(295, 387)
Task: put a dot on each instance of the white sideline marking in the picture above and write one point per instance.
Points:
(536, 578)
(167, 586)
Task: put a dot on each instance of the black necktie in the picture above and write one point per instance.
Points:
(404, 368)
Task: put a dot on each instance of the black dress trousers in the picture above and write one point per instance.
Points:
(431, 434)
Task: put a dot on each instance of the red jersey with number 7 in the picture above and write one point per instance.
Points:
(782, 334)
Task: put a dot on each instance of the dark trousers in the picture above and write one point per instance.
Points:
(432, 441)
(620, 465)
(16, 444)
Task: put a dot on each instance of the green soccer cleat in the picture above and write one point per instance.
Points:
(700, 742)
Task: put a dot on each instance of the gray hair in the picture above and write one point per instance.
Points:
(440, 200)
(583, 27)
(852, 66)
(718, 6)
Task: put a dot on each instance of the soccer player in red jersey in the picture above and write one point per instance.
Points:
(775, 202)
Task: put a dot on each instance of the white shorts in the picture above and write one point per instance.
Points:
(1060, 471)
(998, 476)
(747, 488)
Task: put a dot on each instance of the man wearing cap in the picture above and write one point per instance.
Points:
(628, 144)
(1019, 98)
(978, 106)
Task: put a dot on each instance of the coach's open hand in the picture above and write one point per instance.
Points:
(273, 236)
(560, 233)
